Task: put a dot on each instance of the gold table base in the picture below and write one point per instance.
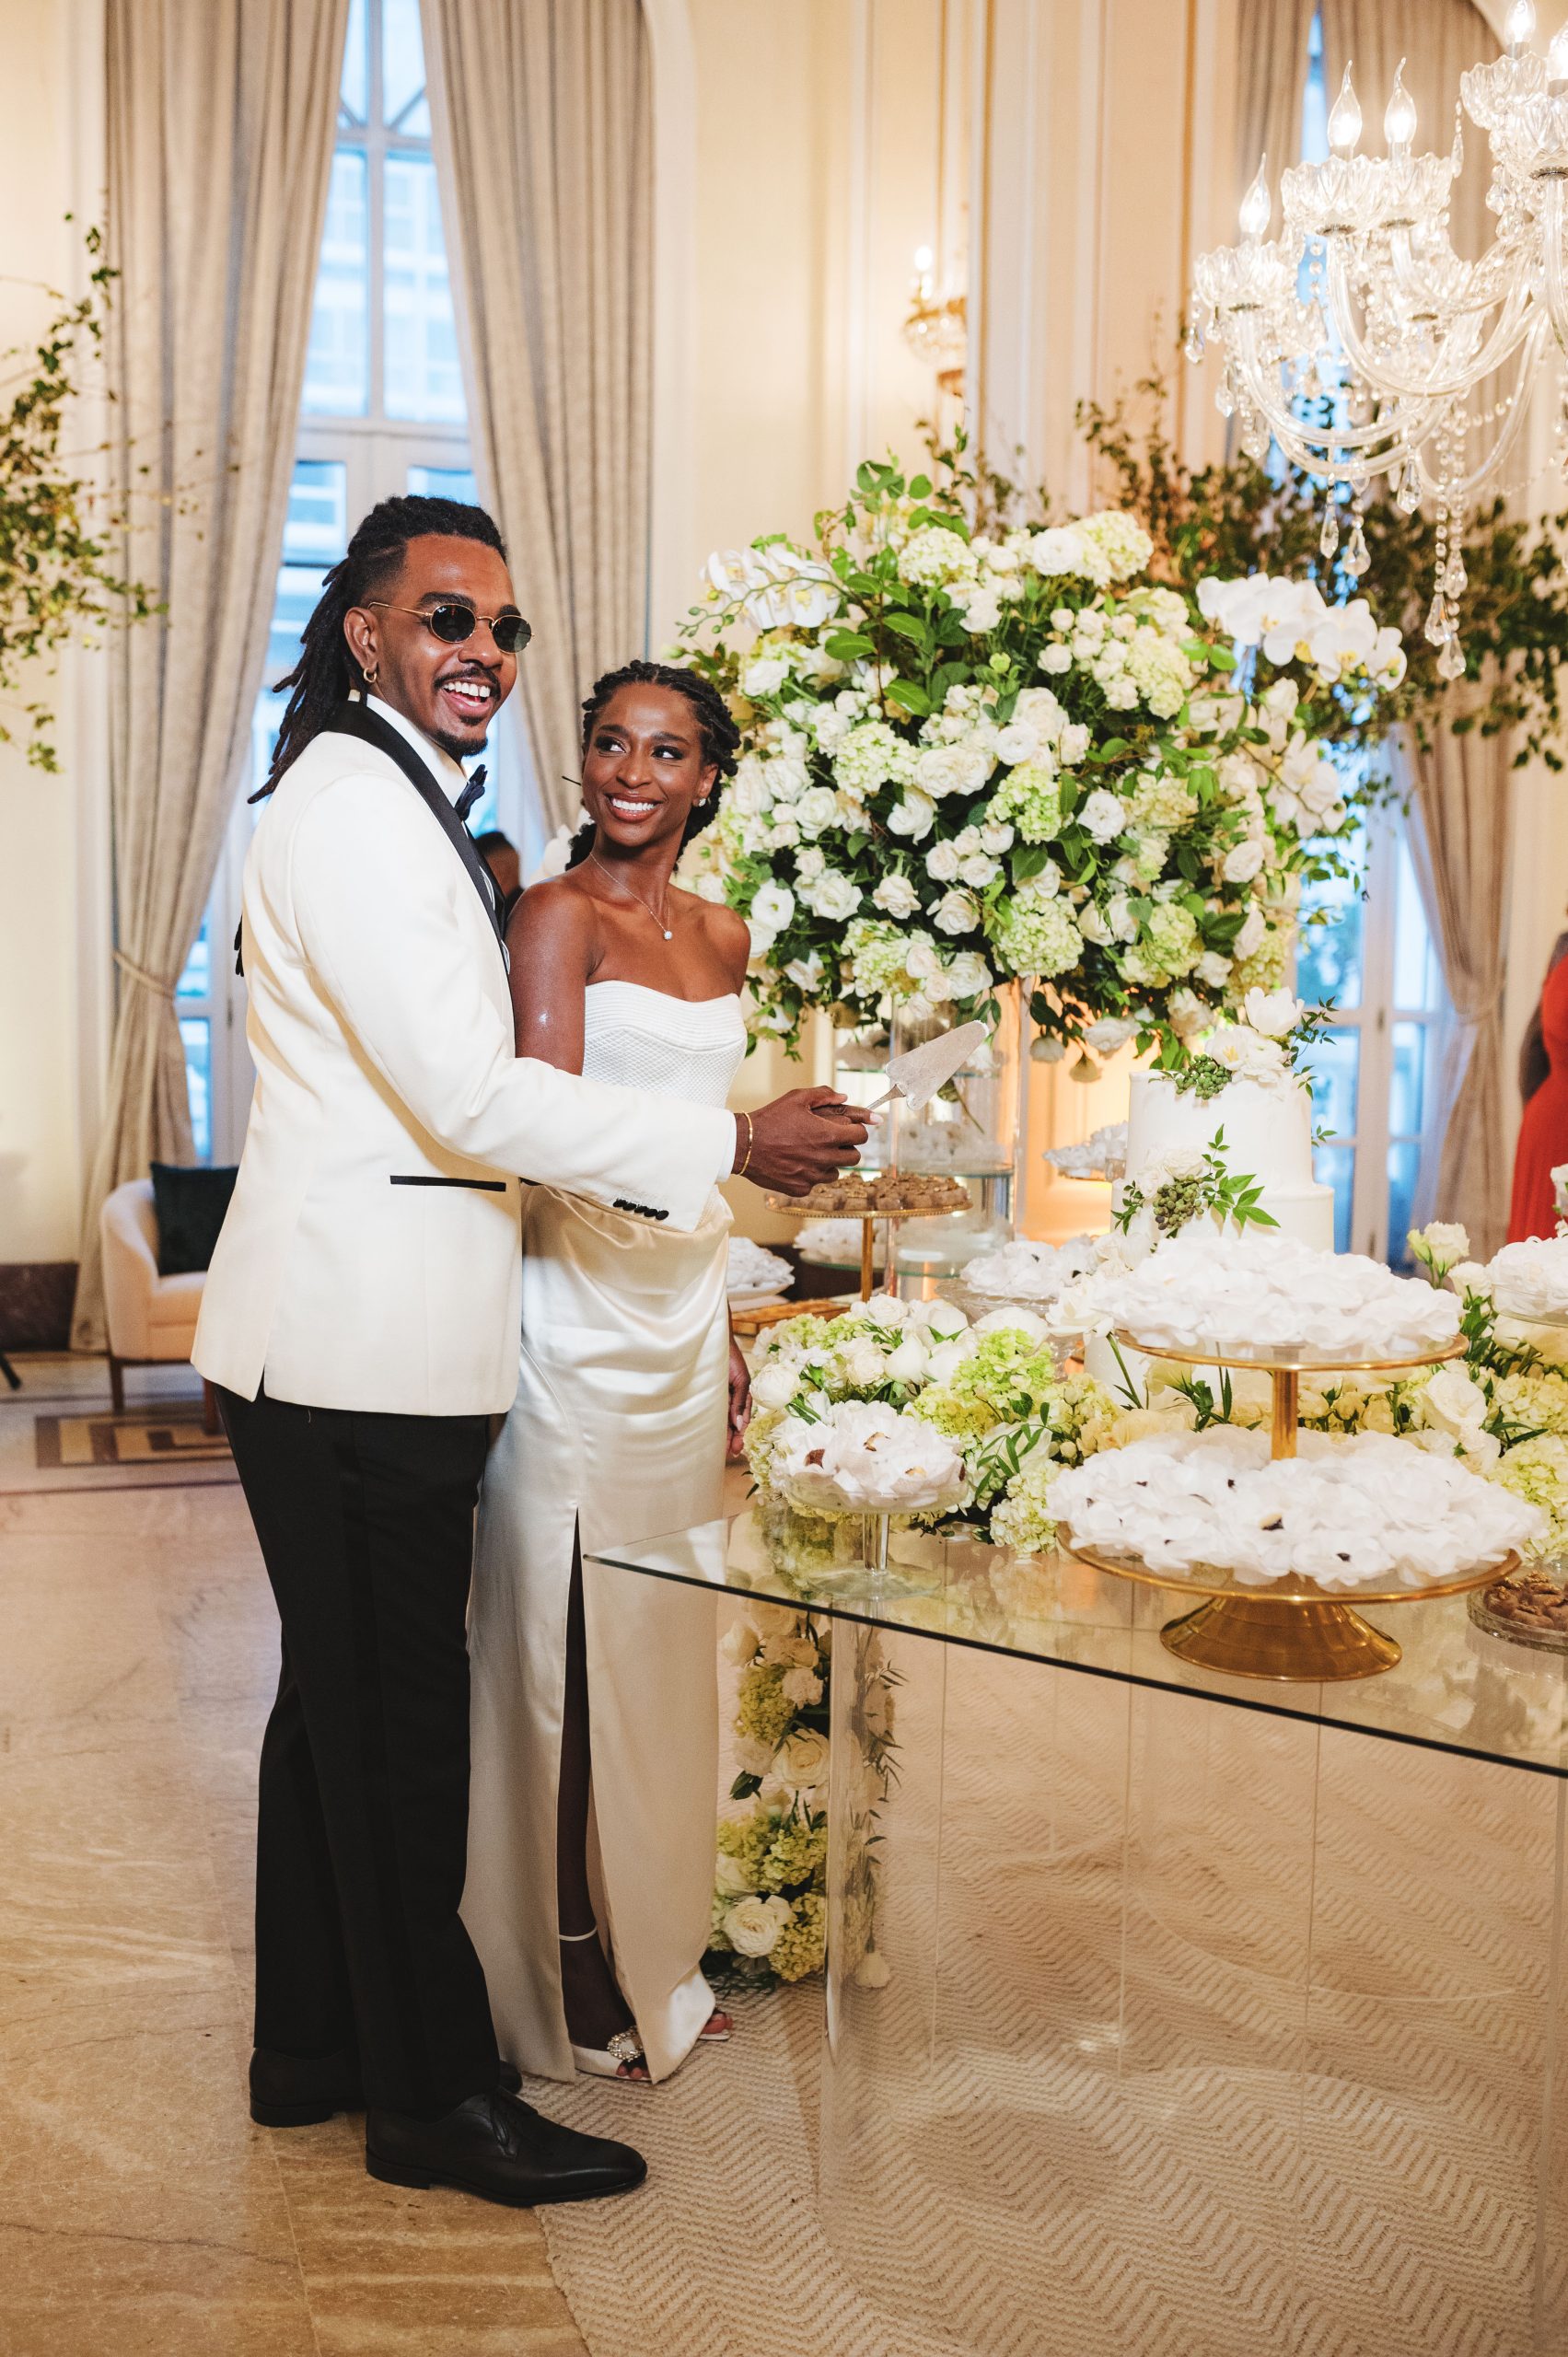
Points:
(1268, 1637)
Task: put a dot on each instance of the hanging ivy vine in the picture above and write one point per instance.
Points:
(57, 529)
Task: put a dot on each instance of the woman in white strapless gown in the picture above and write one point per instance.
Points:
(628, 1382)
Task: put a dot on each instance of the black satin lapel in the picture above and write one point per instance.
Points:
(355, 720)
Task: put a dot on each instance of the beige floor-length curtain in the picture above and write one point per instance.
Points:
(542, 122)
(221, 116)
(1461, 841)
(1272, 44)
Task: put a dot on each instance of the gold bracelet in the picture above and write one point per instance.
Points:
(740, 1171)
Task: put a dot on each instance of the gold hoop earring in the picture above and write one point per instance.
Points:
(371, 672)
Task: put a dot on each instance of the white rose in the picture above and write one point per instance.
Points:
(774, 1387)
(764, 675)
(1251, 938)
(968, 975)
(1102, 815)
(740, 1643)
(802, 1687)
(941, 863)
(1075, 744)
(833, 895)
(896, 895)
(1110, 1032)
(938, 1317)
(946, 1359)
(978, 871)
(1054, 660)
(1213, 970)
(729, 1876)
(1454, 1403)
(996, 835)
(752, 1926)
(1242, 862)
(1016, 742)
(914, 816)
(886, 1310)
(956, 911)
(908, 1363)
(801, 1761)
(817, 809)
(864, 1364)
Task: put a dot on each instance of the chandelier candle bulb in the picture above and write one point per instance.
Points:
(1519, 27)
(1257, 205)
(1399, 119)
(1344, 121)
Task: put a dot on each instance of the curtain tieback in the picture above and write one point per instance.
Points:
(153, 983)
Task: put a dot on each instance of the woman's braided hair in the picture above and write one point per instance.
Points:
(717, 729)
(326, 671)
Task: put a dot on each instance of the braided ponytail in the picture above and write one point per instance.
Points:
(717, 729)
(326, 672)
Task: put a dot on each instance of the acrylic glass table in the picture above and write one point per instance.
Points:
(1218, 2019)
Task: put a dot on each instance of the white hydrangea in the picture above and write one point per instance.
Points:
(932, 556)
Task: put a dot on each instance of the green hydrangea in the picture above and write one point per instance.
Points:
(1170, 938)
(802, 1946)
(1538, 1471)
(1162, 801)
(1035, 935)
(873, 956)
(765, 1710)
(873, 754)
(1030, 797)
(1264, 970)
(797, 1854)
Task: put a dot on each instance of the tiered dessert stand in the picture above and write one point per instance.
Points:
(790, 1208)
(1293, 1629)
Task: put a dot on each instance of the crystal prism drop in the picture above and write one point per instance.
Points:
(1407, 497)
(1358, 555)
(1455, 579)
(1225, 399)
(1194, 344)
(1438, 627)
(1328, 538)
(1451, 659)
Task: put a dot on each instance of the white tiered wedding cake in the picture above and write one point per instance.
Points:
(1267, 1134)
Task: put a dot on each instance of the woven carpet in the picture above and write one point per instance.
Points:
(1243, 2039)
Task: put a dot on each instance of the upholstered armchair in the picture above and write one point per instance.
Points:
(151, 1319)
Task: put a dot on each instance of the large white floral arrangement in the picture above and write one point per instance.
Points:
(968, 758)
(983, 1410)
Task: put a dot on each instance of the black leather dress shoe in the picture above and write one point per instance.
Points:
(501, 2150)
(299, 2091)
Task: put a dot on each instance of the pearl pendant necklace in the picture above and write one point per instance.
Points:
(636, 896)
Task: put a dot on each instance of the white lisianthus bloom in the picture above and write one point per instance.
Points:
(1242, 862)
(833, 895)
(1102, 814)
(908, 1363)
(915, 815)
(802, 1687)
(896, 895)
(956, 911)
(941, 863)
(1189, 1015)
(807, 973)
(752, 1926)
(1274, 1013)
(1063, 551)
(772, 906)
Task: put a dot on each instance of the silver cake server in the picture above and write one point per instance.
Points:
(915, 1077)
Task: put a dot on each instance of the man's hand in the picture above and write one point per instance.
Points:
(801, 1139)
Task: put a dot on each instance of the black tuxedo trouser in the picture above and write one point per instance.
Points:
(366, 1528)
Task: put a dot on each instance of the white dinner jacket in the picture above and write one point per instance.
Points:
(370, 1257)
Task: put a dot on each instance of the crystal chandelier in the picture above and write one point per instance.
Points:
(937, 329)
(1359, 340)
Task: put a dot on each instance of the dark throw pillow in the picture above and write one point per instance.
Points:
(188, 1206)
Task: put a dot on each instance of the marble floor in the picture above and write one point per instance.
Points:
(140, 2212)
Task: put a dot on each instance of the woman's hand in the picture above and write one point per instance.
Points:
(739, 1399)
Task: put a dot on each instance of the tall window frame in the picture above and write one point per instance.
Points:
(383, 411)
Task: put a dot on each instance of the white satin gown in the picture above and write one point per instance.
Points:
(618, 1427)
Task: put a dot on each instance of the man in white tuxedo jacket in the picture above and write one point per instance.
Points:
(360, 1320)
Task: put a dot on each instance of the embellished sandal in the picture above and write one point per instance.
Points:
(619, 2058)
(716, 2030)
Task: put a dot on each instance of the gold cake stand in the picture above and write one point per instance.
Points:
(788, 1207)
(1294, 1629)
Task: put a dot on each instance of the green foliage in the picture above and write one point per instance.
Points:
(56, 577)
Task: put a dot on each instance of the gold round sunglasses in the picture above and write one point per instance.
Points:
(452, 622)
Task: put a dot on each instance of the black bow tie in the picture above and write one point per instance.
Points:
(472, 792)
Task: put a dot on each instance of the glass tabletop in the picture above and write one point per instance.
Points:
(1458, 1687)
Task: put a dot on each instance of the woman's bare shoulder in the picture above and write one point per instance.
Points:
(729, 936)
(554, 919)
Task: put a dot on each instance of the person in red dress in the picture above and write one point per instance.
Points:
(1543, 1132)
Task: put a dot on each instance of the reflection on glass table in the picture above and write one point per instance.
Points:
(1165, 2015)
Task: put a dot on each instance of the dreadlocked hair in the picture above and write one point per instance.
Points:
(326, 671)
(716, 731)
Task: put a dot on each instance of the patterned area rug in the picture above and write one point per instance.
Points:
(142, 1436)
(1245, 2040)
